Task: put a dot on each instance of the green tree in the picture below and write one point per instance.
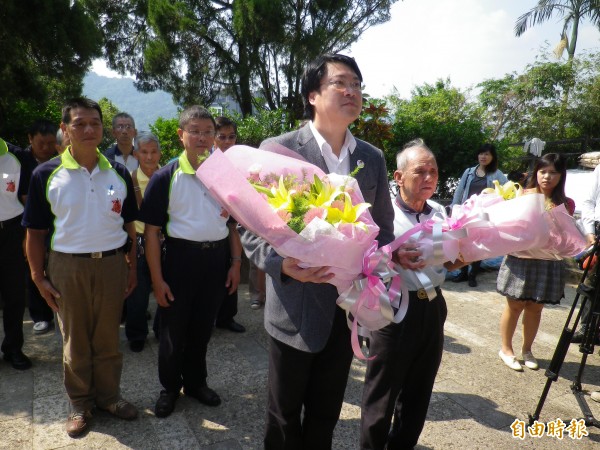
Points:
(530, 104)
(166, 132)
(252, 130)
(572, 13)
(521, 106)
(450, 125)
(46, 47)
(374, 124)
(194, 49)
(109, 110)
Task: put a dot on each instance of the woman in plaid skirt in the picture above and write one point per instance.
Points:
(531, 280)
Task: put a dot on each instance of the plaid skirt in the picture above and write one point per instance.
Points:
(539, 280)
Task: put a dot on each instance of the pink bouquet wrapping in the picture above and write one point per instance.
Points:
(341, 247)
(564, 238)
(496, 227)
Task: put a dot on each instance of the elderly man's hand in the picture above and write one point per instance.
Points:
(292, 268)
(409, 257)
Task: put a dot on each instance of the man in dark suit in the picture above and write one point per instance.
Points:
(309, 344)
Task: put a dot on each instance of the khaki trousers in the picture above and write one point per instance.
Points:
(90, 306)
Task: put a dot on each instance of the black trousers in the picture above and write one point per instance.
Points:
(313, 381)
(196, 277)
(400, 378)
(13, 270)
(229, 305)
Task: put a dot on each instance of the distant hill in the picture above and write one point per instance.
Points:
(144, 107)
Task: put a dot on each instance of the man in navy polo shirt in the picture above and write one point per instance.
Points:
(42, 140)
(123, 130)
(12, 261)
(87, 206)
(190, 282)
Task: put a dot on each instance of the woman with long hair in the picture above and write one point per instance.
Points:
(473, 181)
(529, 280)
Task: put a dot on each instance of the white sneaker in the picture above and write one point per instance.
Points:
(41, 327)
(530, 361)
(595, 396)
(256, 304)
(511, 361)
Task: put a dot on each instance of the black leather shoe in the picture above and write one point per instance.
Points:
(18, 360)
(165, 403)
(136, 346)
(204, 395)
(232, 326)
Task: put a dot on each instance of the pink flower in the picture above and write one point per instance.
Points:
(339, 204)
(314, 212)
(284, 215)
(254, 177)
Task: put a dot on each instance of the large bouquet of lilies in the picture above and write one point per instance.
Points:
(505, 219)
(320, 219)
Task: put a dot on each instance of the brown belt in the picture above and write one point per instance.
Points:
(95, 255)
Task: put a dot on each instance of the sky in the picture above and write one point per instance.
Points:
(466, 40)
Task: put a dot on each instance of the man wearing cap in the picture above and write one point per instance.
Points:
(83, 208)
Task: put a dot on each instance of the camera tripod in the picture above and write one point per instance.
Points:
(588, 295)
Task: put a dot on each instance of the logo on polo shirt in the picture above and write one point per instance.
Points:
(11, 186)
(116, 206)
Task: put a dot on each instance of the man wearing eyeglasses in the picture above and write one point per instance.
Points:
(309, 340)
(123, 130)
(191, 280)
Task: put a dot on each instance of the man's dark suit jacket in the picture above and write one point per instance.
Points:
(301, 314)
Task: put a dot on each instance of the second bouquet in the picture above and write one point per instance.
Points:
(320, 219)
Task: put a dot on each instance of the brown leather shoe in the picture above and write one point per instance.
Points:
(77, 423)
(123, 410)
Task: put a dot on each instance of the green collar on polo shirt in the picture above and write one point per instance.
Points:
(184, 164)
(3, 147)
(69, 162)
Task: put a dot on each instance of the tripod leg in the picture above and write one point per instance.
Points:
(588, 293)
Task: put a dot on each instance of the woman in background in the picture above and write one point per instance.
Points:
(531, 279)
(473, 181)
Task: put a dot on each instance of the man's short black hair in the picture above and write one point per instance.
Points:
(43, 127)
(222, 122)
(122, 115)
(78, 102)
(195, 112)
(314, 73)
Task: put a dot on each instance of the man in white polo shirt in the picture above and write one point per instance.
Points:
(84, 208)
(12, 261)
(190, 281)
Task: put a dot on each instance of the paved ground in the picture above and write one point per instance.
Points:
(476, 398)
